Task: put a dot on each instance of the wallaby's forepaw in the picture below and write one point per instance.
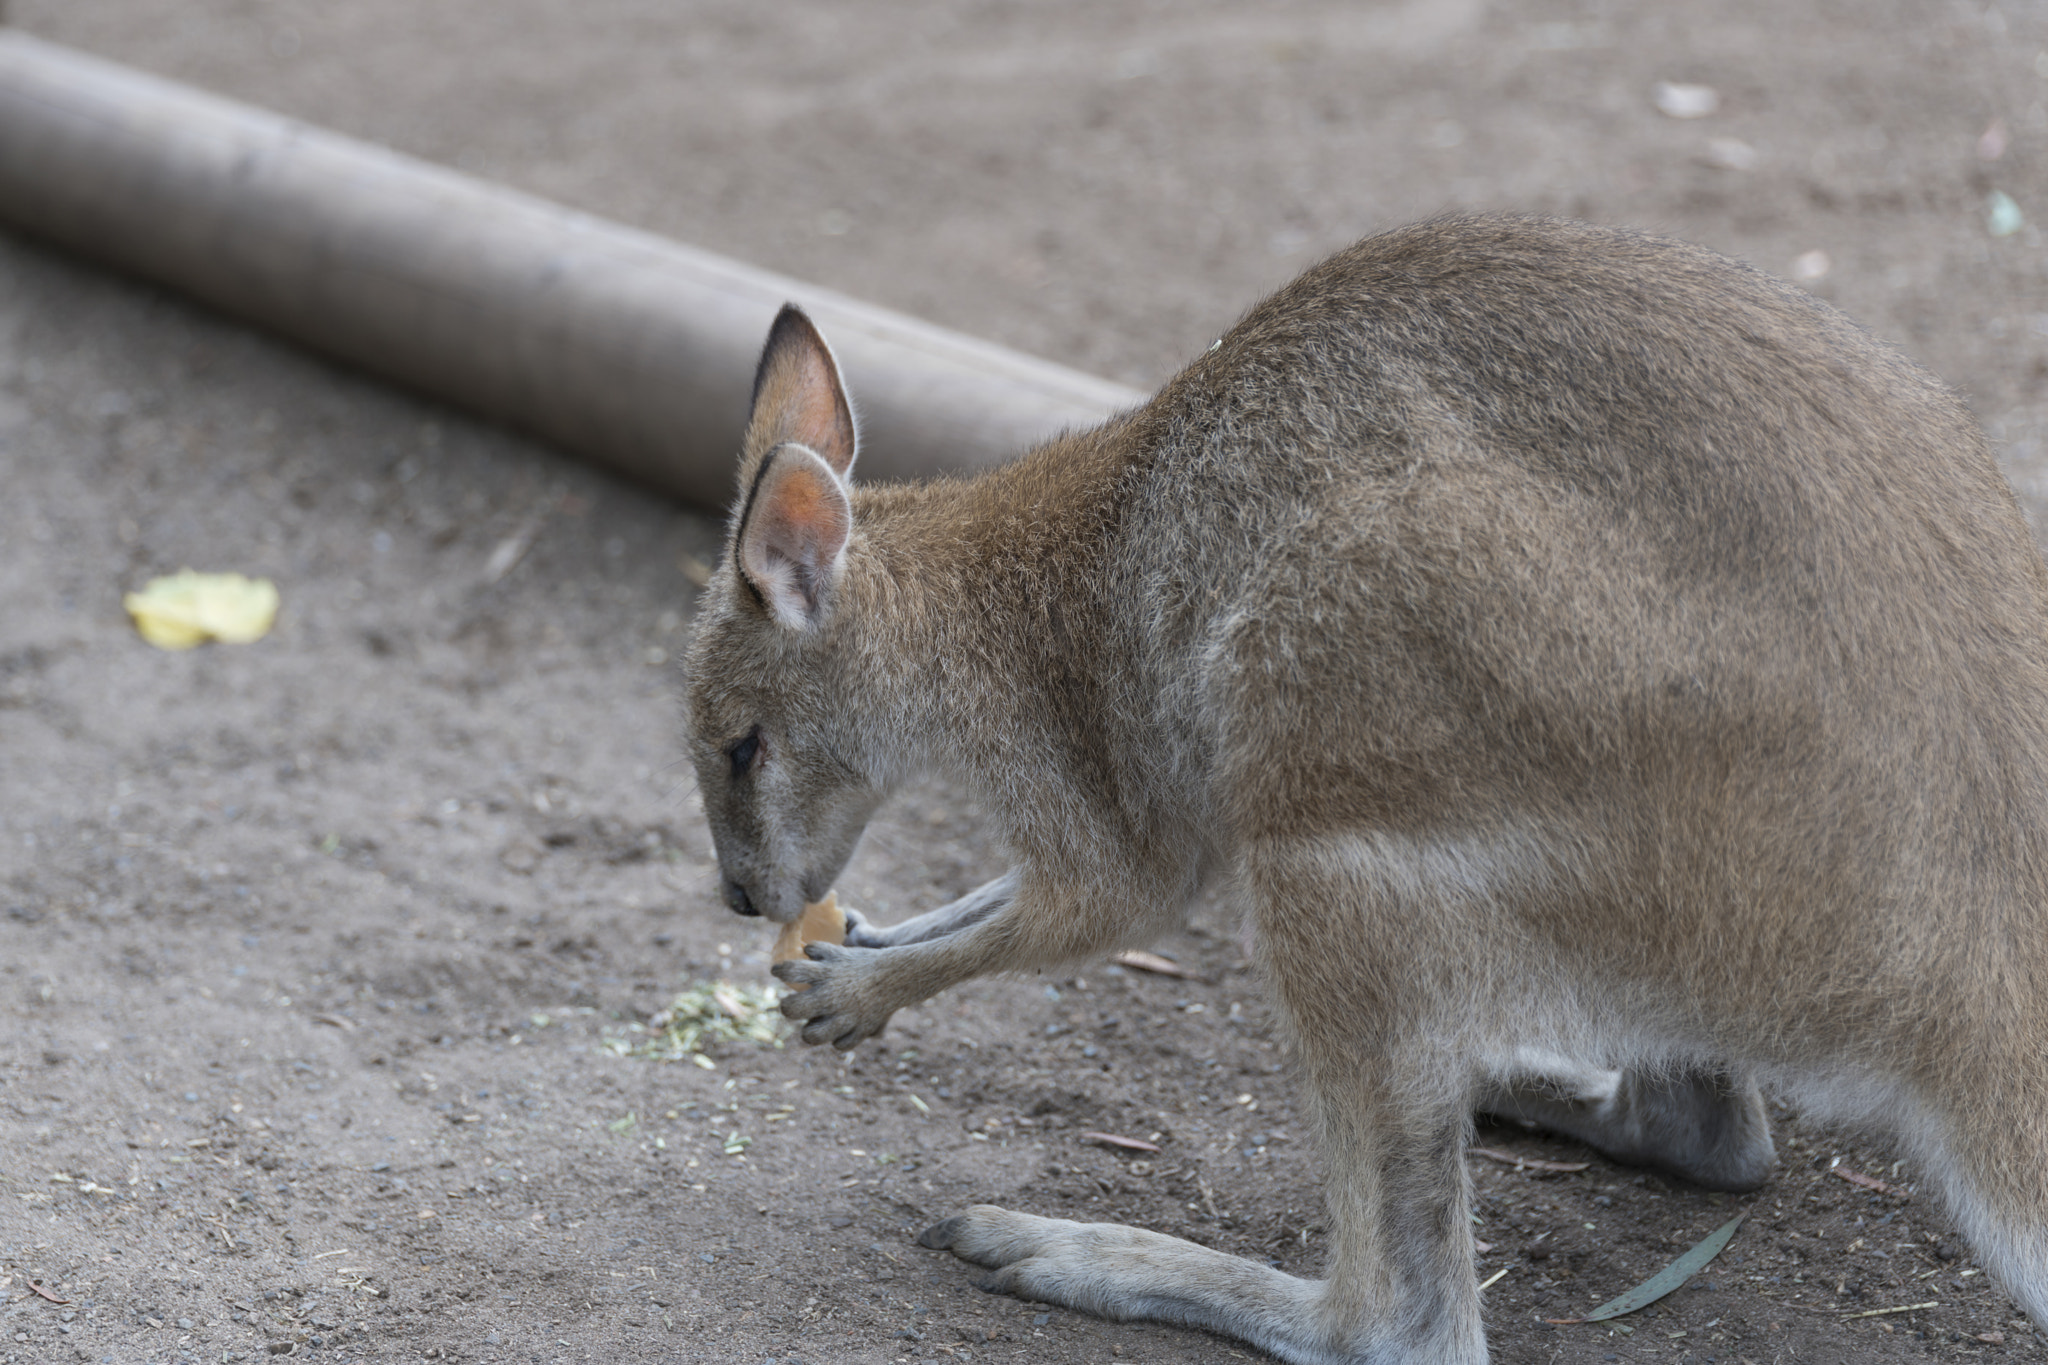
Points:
(836, 1004)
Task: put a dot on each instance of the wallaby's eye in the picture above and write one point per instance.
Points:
(744, 753)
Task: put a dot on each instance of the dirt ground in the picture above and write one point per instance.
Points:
(331, 965)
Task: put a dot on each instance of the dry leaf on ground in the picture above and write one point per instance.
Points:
(186, 609)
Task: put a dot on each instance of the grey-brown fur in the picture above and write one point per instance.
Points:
(1609, 679)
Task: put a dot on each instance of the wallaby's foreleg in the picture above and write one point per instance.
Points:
(972, 908)
(1707, 1127)
(849, 992)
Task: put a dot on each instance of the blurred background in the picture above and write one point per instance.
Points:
(1111, 184)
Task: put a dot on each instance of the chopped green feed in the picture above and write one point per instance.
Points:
(705, 1015)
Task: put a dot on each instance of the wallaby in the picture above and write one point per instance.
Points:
(1609, 680)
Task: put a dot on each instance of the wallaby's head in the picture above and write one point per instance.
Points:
(780, 766)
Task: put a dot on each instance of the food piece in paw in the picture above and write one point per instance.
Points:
(821, 922)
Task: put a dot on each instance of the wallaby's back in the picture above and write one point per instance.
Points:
(1509, 526)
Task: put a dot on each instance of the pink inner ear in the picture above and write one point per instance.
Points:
(799, 523)
(809, 518)
(821, 419)
(800, 384)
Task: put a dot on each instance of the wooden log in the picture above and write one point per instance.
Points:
(614, 344)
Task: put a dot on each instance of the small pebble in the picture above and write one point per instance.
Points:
(1731, 153)
(1678, 100)
(1812, 265)
(2003, 216)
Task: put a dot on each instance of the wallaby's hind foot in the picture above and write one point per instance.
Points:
(1130, 1274)
(1705, 1127)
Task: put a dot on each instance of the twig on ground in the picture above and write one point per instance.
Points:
(1870, 1182)
(1528, 1162)
(1140, 960)
(1129, 1144)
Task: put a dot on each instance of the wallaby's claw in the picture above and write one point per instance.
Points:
(796, 971)
(859, 933)
(832, 1004)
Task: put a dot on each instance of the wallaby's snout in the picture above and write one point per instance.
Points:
(781, 828)
(784, 816)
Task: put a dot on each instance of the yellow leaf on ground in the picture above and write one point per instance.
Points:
(185, 609)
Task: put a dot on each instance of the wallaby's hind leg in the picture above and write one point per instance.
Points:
(1390, 1101)
(1706, 1127)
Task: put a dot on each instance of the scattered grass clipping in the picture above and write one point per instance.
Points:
(186, 609)
(705, 1016)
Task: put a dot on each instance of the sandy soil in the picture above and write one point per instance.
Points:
(327, 962)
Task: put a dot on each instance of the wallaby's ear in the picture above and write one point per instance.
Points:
(793, 531)
(798, 396)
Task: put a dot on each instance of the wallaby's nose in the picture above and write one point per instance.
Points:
(736, 897)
